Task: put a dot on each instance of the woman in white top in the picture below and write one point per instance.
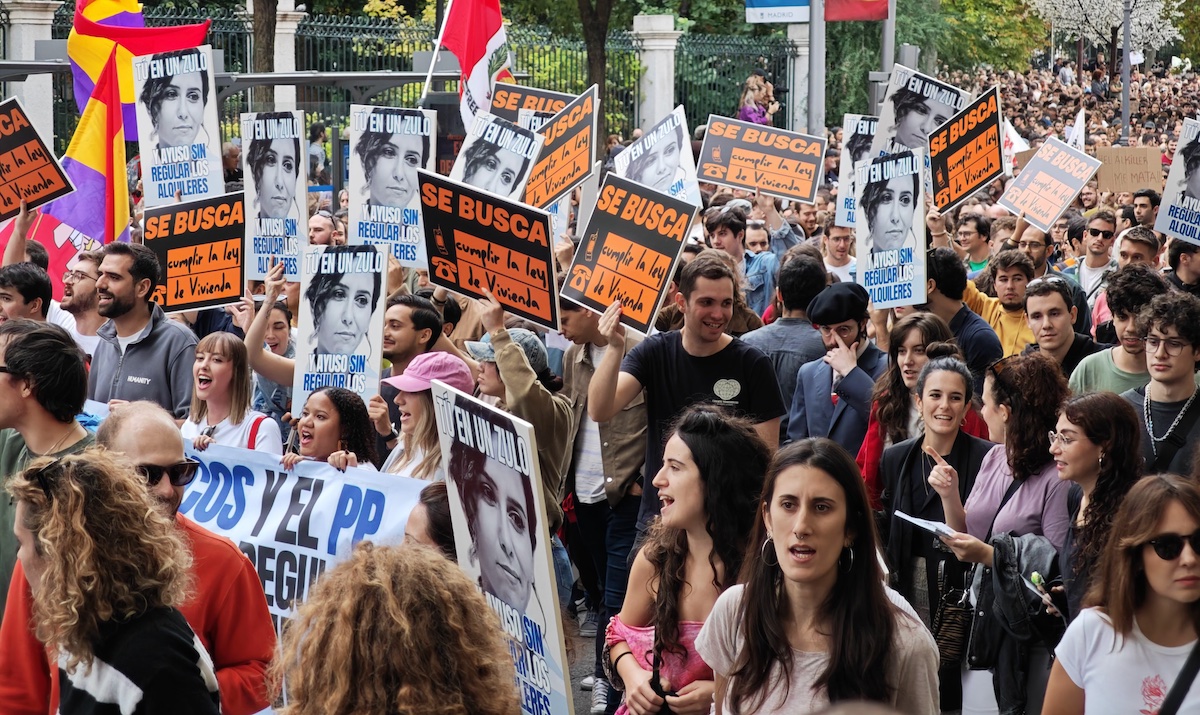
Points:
(1124, 654)
(812, 623)
(419, 454)
(221, 393)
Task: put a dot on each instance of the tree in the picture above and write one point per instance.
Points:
(1154, 22)
(263, 44)
(1000, 33)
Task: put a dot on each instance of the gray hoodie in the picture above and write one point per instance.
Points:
(156, 366)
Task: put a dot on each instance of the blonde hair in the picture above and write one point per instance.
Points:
(233, 349)
(109, 552)
(396, 629)
(424, 438)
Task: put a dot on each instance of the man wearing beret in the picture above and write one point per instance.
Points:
(833, 394)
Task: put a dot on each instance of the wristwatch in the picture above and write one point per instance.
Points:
(393, 436)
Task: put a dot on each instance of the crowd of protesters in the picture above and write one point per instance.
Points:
(736, 491)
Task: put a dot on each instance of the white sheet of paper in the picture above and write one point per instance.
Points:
(937, 527)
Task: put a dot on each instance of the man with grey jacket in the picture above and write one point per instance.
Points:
(142, 354)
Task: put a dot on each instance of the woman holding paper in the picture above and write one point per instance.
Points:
(1014, 522)
(221, 392)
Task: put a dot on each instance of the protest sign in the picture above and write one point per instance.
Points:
(199, 247)
(498, 511)
(341, 319)
(387, 147)
(566, 157)
(662, 159)
(533, 120)
(1012, 145)
(1179, 213)
(28, 170)
(274, 167)
(967, 152)
(916, 104)
(1047, 186)
(477, 241)
(294, 526)
(630, 247)
(509, 99)
(589, 191)
(757, 158)
(497, 156)
(179, 138)
(890, 227)
(858, 131)
(1021, 158)
(1129, 168)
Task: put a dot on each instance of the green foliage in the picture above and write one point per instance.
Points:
(1001, 33)
(1189, 27)
(851, 51)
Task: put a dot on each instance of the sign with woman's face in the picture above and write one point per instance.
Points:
(915, 105)
(1179, 213)
(180, 140)
(662, 159)
(889, 210)
(497, 156)
(339, 338)
(502, 538)
(387, 146)
(274, 169)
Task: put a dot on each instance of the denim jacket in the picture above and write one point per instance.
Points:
(761, 270)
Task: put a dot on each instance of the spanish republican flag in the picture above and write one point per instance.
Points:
(850, 10)
(104, 25)
(474, 33)
(95, 161)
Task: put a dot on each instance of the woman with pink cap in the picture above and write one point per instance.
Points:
(418, 454)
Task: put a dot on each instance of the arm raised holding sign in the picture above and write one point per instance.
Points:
(275, 368)
(611, 390)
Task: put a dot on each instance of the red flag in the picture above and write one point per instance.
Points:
(474, 33)
(850, 10)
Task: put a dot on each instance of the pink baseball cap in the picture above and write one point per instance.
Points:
(427, 367)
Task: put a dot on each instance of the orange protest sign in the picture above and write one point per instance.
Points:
(1048, 185)
(566, 157)
(28, 169)
(757, 158)
(200, 246)
(966, 153)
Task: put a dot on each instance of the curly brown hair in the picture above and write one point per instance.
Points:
(109, 553)
(1034, 389)
(395, 630)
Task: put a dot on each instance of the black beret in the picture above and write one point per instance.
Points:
(838, 303)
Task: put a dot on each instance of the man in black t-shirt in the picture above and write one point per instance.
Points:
(699, 363)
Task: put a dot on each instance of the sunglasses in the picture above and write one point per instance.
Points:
(1170, 546)
(1097, 232)
(180, 474)
(997, 368)
(42, 477)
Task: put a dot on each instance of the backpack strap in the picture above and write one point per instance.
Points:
(254, 431)
(1181, 686)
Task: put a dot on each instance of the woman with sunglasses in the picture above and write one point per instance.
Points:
(108, 572)
(1016, 493)
(221, 411)
(334, 427)
(1095, 446)
(1125, 652)
(894, 414)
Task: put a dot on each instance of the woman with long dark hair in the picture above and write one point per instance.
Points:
(894, 414)
(334, 427)
(1016, 493)
(1125, 652)
(813, 623)
(1096, 446)
(713, 465)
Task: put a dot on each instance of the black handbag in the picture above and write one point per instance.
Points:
(951, 621)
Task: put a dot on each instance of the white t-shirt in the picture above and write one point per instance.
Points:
(63, 319)
(227, 434)
(589, 464)
(1121, 675)
(409, 470)
(844, 273)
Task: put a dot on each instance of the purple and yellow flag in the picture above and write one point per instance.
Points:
(95, 161)
(104, 25)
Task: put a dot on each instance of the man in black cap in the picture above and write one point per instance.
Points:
(833, 393)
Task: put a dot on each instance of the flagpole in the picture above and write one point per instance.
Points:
(437, 47)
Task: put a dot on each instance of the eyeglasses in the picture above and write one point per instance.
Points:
(1051, 280)
(998, 367)
(1097, 232)
(741, 204)
(1030, 245)
(1174, 347)
(1170, 546)
(1062, 439)
(4, 369)
(846, 332)
(42, 477)
(76, 276)
(180, 474)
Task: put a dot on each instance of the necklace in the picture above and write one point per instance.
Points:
(1150, 419)
(70, 431)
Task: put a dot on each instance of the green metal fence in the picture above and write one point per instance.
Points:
(710, 70)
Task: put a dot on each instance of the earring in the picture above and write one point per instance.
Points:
(763, 552)
(850, 566)
(1102, 460)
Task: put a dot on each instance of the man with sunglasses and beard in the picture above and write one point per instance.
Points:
(228, 610)
(43, 381)
(1092, 272)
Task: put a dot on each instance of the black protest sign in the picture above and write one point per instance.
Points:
(509, 99)
(566, 157)
(480, 242)
(199, 249)
(1047, 186)
(28, 170)
(629, 251)
(758, 158)
(967, 152)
